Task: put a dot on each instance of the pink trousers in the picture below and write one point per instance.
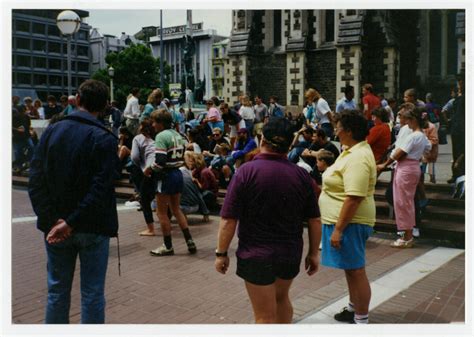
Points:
(406, 177)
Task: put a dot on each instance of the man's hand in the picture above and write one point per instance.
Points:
(60, 232)
(206, 153)
(222, 264)
(336, 238)
(311, 263)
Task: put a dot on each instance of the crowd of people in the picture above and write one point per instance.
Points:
(280, 168)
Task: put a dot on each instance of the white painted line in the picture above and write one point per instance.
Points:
(24, 219)
(390, 284)
(34, 218)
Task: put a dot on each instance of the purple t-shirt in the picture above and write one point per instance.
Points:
(270, 196)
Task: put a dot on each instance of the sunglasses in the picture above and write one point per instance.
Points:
(216, 135)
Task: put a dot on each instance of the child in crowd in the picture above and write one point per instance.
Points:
(219, 166)
(324, 159)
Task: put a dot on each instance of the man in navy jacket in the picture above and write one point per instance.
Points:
(72, 192)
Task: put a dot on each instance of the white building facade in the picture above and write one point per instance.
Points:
(173, 48)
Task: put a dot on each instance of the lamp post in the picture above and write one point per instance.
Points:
(162, 47)
(68, 23)
(111, 71)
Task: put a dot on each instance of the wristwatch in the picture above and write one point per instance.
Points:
(224, 254)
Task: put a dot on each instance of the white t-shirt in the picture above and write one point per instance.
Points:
(415, 145)
(404, 132)
(247, 112)
(132, 109)
(321, 111)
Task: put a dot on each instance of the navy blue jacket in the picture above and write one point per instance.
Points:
(72, 176)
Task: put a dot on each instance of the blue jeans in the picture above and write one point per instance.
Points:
(93, 250)
(23, 151)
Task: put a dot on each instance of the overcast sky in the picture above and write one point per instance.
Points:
(130, 21)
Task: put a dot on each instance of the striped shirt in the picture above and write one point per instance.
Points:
(170, 143)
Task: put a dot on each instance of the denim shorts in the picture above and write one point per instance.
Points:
(266, 272)
(171, 184)
(351, 255)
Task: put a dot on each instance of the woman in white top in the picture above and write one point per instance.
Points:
(247, 113)
(321, 112)
(39, 107)
(143, 155)
(407, 154)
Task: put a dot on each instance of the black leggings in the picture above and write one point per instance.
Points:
(147, 189)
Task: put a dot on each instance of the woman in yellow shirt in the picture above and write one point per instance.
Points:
(348, 212)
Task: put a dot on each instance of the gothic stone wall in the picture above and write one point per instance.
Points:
(321, 74)
(267, 76)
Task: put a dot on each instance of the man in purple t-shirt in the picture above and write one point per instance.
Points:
(270, 197)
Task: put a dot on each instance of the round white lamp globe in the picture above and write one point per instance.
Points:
(68, 22)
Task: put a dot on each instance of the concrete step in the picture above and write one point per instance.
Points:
(453, 232)
(438, 213)
(436, 198)
(444, 218)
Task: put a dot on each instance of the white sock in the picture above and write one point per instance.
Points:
(350, 307)
(361, 319)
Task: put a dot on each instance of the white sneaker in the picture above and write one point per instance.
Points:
(416, 232)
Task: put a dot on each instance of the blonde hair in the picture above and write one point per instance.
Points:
(246, 101)
(154, 95)
(311, 94)
(199, 161)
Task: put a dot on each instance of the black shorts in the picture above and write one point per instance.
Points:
(266, 272)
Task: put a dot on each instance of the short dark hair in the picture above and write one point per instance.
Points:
(146, 127)
(382, 114)
(63, 98)
(309, 130)
(216, 100)
(93, 95)
(51, 98)
(321, 133)
(278, 134)
(134, 91)
(348, 89)
(162, 116)
(355, 122)
(275, 98)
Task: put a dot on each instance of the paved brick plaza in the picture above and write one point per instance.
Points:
(186, 289)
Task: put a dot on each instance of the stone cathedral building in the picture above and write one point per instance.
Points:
(284, 52)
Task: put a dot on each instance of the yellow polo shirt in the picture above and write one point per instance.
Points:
(354, 173)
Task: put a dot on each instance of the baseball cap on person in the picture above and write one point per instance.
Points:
(278, 133)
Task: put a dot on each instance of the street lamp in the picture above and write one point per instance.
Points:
(68, 23)
(111, 71)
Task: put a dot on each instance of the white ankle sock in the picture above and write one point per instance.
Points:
(350, 307)
(361, 319)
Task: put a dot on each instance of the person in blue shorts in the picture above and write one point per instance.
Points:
(169, 156)
(348, 212)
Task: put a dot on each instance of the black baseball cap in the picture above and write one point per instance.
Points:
(278, 133)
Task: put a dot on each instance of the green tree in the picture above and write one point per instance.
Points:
(134, 66)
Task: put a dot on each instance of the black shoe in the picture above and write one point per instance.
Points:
(345, 316)
(451, 180)
(191, 247)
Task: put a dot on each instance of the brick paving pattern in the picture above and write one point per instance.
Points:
(437, 298)
(185, 288)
